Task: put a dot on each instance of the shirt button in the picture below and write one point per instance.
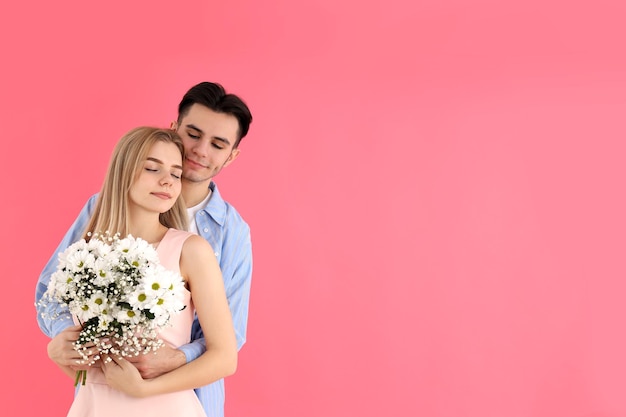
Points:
(205, 230)
(217, 254)
(202, 213)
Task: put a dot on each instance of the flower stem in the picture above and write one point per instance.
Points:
(81, 376)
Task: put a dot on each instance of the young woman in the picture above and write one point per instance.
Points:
(141, 196)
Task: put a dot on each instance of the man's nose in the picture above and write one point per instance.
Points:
(201, 148)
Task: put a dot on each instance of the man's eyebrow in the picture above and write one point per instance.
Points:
(226, 141)
(194, 127)
(158, 161)
(201, 133)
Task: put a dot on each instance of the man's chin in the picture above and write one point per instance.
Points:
(195, 179)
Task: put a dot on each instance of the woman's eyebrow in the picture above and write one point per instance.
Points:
(158, 161)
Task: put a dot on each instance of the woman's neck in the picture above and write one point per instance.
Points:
(151, 234)
(146, 226)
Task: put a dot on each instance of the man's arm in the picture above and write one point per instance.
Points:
(235, 262)
(238, 286)
(236, 265)
(52, 316)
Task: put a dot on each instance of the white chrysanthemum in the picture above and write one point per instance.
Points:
(103, 275)
(161, 313)
(63, 259)
(175, 299)
(80, 260)
(98, 302)
(80, 308)
(99, 248)
(140, 299)
(62, 285)
(155, 283)
(59, 283)
(128, 316)
(137, 251)
(105, 319)
(167, 290)
(162, 280)
(124, 245)
(146, 250)
(81, 245)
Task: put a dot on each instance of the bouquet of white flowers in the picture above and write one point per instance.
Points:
(119, 292)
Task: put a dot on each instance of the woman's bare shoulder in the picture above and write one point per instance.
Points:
(196, 245)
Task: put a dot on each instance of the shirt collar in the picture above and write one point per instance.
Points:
(216, 208)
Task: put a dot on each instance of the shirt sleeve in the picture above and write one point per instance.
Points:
(52, 316)
(195, 348)
(238, 281)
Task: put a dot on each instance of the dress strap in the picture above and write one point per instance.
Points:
(170, 248)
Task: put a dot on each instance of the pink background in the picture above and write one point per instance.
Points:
(435, 190)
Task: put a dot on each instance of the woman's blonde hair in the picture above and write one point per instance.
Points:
(111, 212)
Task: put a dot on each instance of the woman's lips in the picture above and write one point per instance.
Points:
(162, 196)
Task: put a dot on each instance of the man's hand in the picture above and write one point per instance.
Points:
(61, 349)
(159, 362)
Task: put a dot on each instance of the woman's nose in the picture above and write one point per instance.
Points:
(166, 180)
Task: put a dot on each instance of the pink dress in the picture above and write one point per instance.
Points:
(96, 398)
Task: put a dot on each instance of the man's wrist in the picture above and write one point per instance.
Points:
(180, 358)
(192, 350)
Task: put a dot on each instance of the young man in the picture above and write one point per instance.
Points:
(211, 123)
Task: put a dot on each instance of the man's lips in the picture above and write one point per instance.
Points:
(194, 164)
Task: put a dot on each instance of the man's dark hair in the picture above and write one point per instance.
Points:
(213, 96)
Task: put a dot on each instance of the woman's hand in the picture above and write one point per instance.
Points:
(61, 350)
(123, 376)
